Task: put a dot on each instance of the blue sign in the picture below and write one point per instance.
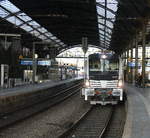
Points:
(26, 62)
(132, 64)
(71, 67)
(44, 63)
(41, 62)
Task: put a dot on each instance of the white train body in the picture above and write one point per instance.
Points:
(103, 80)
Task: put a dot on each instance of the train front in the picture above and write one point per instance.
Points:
(104, 79)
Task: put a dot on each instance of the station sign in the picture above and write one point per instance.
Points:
(132, 64)
(40, 62)
(26, 62)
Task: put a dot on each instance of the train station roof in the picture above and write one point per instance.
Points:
(130, 17)
(65, 22)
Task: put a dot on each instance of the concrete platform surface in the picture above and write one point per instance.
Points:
(32, 87)
(138, 114)
(25, 96)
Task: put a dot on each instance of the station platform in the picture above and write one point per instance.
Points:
(138, 112)
(33, 87)
(15, 98)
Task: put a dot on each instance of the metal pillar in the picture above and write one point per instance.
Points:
(34, 66)
(136, 57)
(143, 54)
(127, 72)
(61, 73)
(85, 49)
(131, 68)
(125, 57)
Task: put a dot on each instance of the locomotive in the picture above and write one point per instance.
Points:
(103, 81)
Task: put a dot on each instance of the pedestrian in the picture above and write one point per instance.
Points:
(139, 80)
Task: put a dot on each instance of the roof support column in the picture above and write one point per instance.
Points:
(131, 68)
(127, 72)
(34, 64)
(143, 53)
(123, 56)
(136, 56)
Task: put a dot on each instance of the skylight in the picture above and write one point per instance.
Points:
(9, 6)
(12, 14)
(106, 32)
(3, 13)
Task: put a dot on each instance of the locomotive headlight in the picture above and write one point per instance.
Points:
(103, 56)
(87, 83)
(120, 83)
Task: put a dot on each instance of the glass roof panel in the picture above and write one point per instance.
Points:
(100, 11)
(112, 5)
(34, 24)
(61, 43)
(24, 17)
(3, 13)
(110, 15)
(107, 38)
(102, 2)
(100, 20)
(49, 34)
(108, 31)
(23, 20)
(9, 6)
(101, 26)
(42, 30)
(53, 37)
(48, 40)
(57, 40)
(42, 37)
(36, 33)
(109, 24)
(14, 20)
(26, 27)
(101, 32)
(56, 45)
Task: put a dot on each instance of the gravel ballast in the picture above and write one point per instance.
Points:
(50, 123)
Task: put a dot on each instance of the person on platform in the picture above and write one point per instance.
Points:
(139, 80)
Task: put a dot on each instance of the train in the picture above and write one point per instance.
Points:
(104, 79)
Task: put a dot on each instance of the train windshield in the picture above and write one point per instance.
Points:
(103, 68)
(102, 65)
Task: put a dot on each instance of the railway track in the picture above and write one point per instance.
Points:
(22, 113)
(98, 122)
